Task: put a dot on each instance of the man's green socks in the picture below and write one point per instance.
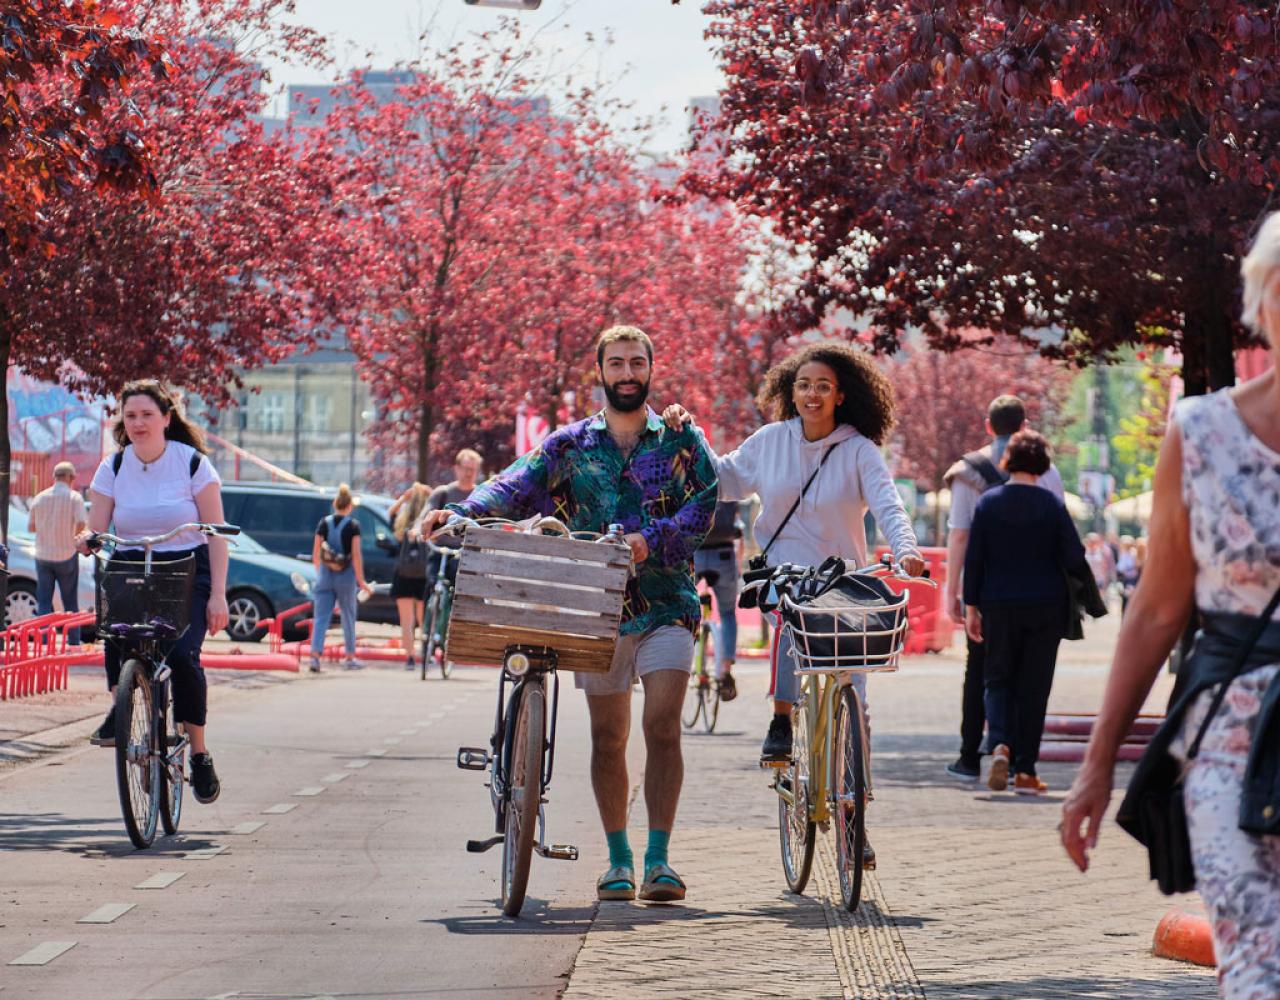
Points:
(656, 852)
(619, 849)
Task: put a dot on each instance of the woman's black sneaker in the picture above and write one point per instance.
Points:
(777, 744)
(204, 779)
(105, 734)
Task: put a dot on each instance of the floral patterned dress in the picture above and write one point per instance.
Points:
(1231, 488)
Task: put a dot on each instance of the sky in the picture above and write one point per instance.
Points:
(658, 52)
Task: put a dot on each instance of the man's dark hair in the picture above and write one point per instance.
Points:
(617, 334)
(1006, 414)
(1027, 451)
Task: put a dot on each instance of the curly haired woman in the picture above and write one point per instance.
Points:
(832, 409)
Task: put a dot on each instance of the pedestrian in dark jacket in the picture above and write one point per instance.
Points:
(1021, 547)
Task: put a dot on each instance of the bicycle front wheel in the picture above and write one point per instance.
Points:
(693, 698)
(429, 622)
(711, 690)
(137, 760)
(172, 765)
(524, 779)
(796, 832)
(849, 790)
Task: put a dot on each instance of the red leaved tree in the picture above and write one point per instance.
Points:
(202, 279)
(1081, 176)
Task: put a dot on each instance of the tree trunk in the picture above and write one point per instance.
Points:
(1220, 360)
(6, 450)
(1194, 376)
(426, 420)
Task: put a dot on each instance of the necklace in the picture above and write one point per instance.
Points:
(147, 465)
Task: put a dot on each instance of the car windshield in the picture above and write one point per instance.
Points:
(18, 529)
(244, 544)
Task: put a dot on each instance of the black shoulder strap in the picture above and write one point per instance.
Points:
(805, 489)
(983, 466)
(1242, 657)
(118, 459)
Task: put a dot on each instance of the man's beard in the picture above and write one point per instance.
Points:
(627, 404)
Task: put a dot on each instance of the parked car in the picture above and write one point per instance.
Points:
(20, 601)
(283, 518)
(260, 584)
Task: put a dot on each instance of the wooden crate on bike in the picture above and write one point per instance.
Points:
(515, 589)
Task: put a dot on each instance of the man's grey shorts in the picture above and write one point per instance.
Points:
(669, 647)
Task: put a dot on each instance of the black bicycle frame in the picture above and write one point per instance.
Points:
(508, 707)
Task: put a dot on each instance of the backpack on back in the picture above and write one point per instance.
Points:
(332, 555)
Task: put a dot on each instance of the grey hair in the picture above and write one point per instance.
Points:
(1263, 257)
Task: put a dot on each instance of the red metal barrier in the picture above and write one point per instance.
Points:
(931, 626)
(36, 656)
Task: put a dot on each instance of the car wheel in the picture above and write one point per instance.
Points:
(20, 602)
(245, 614)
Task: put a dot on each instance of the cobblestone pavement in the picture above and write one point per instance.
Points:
(973, 897)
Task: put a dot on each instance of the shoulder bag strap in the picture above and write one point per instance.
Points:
(1242, 658)
(805, 489)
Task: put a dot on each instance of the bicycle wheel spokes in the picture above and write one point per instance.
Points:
(137, 763)
(525, 777)
(429, 631)
(796, 832)
(173, 763)
(693, 700)
(710, 690)
(849, 795)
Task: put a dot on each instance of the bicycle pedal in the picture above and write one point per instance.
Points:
(558, 852)
(473, 758)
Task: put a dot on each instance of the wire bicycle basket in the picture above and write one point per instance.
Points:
(858, 625)
(134, 598)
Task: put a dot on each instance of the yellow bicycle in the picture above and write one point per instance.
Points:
(837, 622)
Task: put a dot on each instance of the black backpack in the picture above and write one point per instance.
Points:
(987, 469)
(117, 460)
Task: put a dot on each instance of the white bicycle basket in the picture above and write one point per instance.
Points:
(858, 625)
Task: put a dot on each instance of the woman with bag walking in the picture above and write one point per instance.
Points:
(409, 581)
(1214, 545)
(1022, 545)
(336, 556)
(817, 469)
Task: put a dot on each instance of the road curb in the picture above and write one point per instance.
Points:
(1184, 937)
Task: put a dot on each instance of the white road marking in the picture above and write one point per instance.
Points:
(280, 808)
(409, 732)
(333, 779)
(250, 826)
(160, 880)
(43, 953)
(392, 741)
(107, 913)
(310, 790)
(375, 753)
(205, 853)
(355, 765)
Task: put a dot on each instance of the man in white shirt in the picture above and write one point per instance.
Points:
(968, 479)
(57, 516)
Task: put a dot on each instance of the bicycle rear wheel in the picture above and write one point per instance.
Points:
(693, 698)
(429, 643)
(796, 832)
(849, 790)
(524, 777)
(711, 690)
(173, 762)
(137, 761)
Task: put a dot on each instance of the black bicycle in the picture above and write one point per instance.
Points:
(435, 620)
(145, 607)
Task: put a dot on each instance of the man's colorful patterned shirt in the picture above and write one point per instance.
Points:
(665, 490)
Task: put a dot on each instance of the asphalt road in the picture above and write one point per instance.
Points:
(356, 883)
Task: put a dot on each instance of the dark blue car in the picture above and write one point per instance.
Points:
(260, 584)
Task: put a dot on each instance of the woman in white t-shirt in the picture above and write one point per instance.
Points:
(160, 478)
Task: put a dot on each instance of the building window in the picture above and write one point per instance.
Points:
(318, 410)
(271, 413)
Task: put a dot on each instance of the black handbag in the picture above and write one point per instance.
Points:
(411, 563)
(1153, 811)
(758, 565)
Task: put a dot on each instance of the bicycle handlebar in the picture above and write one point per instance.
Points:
(95, 539)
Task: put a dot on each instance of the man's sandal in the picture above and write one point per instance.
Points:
(661, 885)
(619, 882)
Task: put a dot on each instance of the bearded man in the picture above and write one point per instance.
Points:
(625, 466)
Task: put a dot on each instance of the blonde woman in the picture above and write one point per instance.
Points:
(1215, 544)
(335, 553)
(408, 584)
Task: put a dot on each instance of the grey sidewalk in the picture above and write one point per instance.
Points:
(973, 897)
